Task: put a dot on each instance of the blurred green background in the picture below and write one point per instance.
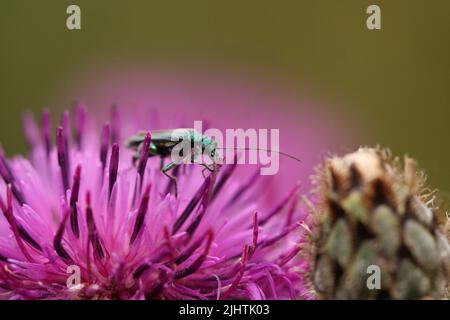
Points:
(393, 84)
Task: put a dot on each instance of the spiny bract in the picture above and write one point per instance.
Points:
(375, 215)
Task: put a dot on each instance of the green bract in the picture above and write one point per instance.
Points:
(375, 236)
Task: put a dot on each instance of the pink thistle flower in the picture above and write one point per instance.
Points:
(81, 204)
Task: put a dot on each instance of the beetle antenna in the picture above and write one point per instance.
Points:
(269, 150)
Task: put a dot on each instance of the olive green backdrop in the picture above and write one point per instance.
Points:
(393, 83)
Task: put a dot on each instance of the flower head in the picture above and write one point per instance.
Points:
(83, 205)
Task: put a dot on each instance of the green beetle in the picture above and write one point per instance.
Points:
(163, 143)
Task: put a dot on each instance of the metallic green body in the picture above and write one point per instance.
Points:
(163, 142)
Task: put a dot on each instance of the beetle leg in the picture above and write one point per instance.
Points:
(203, 173)
(135, 158)
(165, 170)
(137, 154)
(206, 167)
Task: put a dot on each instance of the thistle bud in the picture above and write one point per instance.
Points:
(378, 235)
